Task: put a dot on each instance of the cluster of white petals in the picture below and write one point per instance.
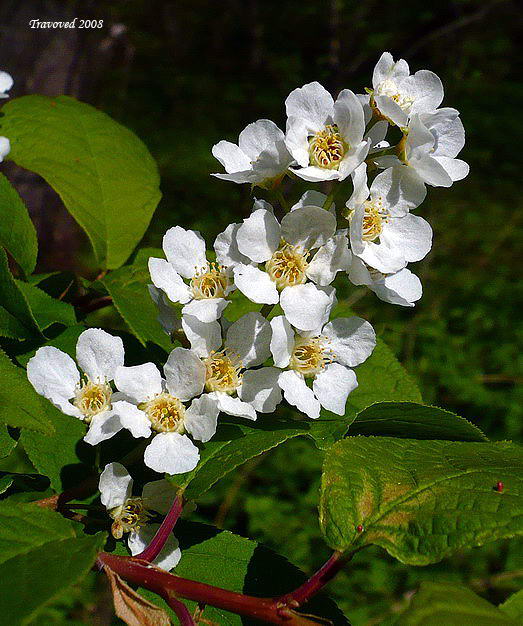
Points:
(6, 82)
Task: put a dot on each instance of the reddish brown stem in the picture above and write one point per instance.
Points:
(162, 534)
(182, 612)
(161, 582)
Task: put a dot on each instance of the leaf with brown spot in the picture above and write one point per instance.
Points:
(130, 607)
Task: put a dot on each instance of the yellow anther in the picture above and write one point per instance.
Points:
(287, 265)
(327, 148)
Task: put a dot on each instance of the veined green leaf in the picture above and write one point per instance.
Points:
(513, 606)
(17, 233)
(7, 443)
(47, 310)
(420, 500)
(104, 174)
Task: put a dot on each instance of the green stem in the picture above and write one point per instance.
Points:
(278, 195)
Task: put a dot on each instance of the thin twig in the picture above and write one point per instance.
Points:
(163, 533)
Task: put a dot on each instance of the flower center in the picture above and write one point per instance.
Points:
(92, 398)
(390, 89)
(131, 515)
(326, 148)
(223, 371)
(310, 355)
(209, 282)
(287, 265)
(165, 412)
(374, 218)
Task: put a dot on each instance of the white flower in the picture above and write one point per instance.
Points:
(131, 514)
(209, 283)
(285, 252)
(325, 137)
(260, 158)
(230, 379)
(166, 314)
(429, 149)
(6, 82)
(54, 375)
(326, 357)
(382, 231)
(397, 95)
(156, 405)
(403, 287)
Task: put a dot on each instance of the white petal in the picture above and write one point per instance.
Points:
(282, 341)
(185, 250)
(360, 190)
(139, 382)
(203, 336)
(159, 495)
(132, 418)
(245, 176)
(233, 406)
(315, 174)
(309, 227)
(208, 310)
(231, 157)
(255, 284)
(103, 426)
(184, 374)
(377, 134)
(5, 147)
(348, 115)
(353, 158)
(331, 258)
(166, 314)
(305, 306)
(403, 288)
(99, 354)
(260, 389)
(391, 110)
(226, 247)
(297, 139)
(311, 102)
(296, 392)
(399, 188)
(259, 236)
(6, 82)
(333, 385)
(383, 69)
(455, 168)
(170, 554)
(115, 485)
(54, 375)
(201, 418)
(259, 137)
(425, 88)
(171, 453)
(165, 277)
(410, 235)
(431, 171)
(310, 198)
(250, 338)
(352, 339)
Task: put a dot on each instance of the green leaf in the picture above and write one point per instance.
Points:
(232, 562)
(47, 310)
(513, 606)
(5, 482)
(7, 443)
(24, 527)
(414, 421)
(16, 318)
(17, 233)
(65, 341)
(420, 500)
(104, 174)
(380, 378)
(128, 288)
(37, 577)
(20, 405)
(59, 456)
(232, 445)
(436, 604)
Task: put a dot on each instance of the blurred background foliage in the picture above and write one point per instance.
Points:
(184, 75)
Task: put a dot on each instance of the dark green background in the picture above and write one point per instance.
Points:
(184, 75)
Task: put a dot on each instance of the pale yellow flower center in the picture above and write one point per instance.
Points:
(376, 215)
(209, 282)
(390, 89)
(165, 412)
(327, 148)
(92, 398)
(287, 265)
(223, 371)
(130, 516)
(310, 355)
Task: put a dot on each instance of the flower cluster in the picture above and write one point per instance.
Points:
(282, 260)
(6, 82)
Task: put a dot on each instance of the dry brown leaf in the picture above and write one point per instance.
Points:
(131, 607)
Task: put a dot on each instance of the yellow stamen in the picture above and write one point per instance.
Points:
(287, 265)
(92, 398)
(166, 413)
(223, 371)
(130, 516)
(209, 282)
(327, 148)
(310, 355)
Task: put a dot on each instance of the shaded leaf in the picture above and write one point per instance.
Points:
(420, 500)
(20, 405)
(17, 233)
(47, 310)
(104, 174)
(444, 603)
(7, 443)
(414, 421)
(513, 606)
(37, 577)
